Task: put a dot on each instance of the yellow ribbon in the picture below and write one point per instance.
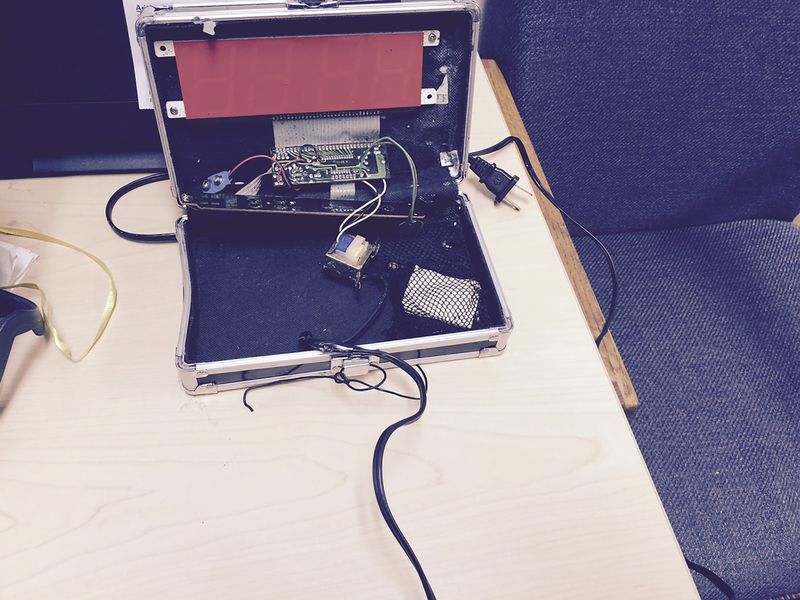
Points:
(111, 299)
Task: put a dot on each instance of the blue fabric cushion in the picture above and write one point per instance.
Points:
(657, 114)
(709, 328)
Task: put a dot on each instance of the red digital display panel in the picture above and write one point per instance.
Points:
(272, 76)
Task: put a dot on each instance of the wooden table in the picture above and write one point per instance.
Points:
(521, 481)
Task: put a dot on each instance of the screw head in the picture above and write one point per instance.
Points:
(218, 180)
(431, 37)
(206, 184)
(173, 110)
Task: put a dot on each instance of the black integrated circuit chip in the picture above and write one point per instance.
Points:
(330, 163)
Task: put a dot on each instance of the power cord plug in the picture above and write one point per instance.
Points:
(496, 180)
(512, 139)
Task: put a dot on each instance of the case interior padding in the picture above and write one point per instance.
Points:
(200, 147)
(257, 280)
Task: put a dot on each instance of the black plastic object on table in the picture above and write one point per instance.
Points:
(18, 315)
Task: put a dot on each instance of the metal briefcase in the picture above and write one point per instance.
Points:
(316, 148)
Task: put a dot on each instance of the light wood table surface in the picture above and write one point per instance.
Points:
(521, 481)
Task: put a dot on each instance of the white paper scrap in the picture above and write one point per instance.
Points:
(133, 8)
(14, 263)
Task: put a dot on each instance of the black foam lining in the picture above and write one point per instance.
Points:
(257, 278)
(258, 283)
(200, 147)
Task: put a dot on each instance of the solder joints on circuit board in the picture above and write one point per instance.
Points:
(330, 163)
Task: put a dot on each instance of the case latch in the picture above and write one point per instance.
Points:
(352, 367)
(312, 3)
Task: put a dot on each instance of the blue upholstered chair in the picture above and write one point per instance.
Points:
(673, 129)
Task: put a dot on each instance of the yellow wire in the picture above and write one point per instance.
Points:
(108, 309)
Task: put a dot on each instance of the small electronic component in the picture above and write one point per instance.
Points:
(216, 182)
(347, 257)
(329, 163)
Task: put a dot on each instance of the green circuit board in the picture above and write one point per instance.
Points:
(331, 163)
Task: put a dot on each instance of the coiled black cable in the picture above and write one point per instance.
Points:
(149, 238)
(384, 284)
(421, 381)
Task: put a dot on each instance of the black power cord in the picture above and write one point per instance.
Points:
(377, 468)
(718, 581)
(357, 385)
(375, 312)
(149, 238)
(421, 381)
(499, 182)
(496, 180)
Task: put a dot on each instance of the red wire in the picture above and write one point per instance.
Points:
(271, 159)
(249, 158)
(283, 173)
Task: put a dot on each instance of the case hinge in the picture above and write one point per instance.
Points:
(331, 4)
(312, 3)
